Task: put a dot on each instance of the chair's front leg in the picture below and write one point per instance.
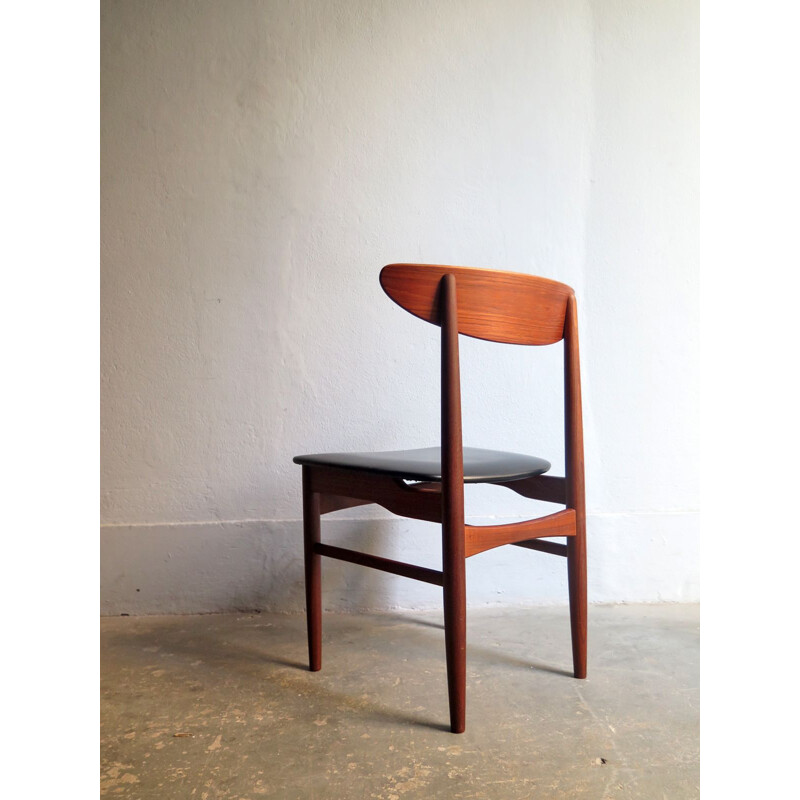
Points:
(455, 636)
(311, 535)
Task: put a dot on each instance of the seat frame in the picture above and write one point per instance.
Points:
(327, 489)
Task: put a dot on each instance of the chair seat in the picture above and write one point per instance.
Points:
(425, 464)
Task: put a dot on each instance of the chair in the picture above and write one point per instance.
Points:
(486, 304)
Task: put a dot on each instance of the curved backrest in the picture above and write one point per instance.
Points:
(499, 306)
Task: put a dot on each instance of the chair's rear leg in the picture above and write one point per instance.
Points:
(455, 637)
(311, 535)
(576, 572)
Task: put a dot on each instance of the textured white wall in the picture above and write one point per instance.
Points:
(262, 160)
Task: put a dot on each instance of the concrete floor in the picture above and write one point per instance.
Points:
(221, 706)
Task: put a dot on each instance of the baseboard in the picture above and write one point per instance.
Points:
(196, 568)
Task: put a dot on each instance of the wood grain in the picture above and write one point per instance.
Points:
(576, 546)
(549, 488)
(355, 485)
(453, 559)
(313, 575)
(554, 548)
(485, 537)
(499, 306)
(384, 564)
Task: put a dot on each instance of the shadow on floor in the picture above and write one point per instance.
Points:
(239, 655)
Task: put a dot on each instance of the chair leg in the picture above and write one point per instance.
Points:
(455, 637)
(311, 535)
(576, 571)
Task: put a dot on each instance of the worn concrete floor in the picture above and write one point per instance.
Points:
(221, 706)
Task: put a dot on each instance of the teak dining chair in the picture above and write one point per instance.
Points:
(428, 483)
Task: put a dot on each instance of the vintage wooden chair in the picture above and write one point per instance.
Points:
(486, 304)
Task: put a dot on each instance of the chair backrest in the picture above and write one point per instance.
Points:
(499, 306)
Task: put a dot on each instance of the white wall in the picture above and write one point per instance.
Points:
(262, 160)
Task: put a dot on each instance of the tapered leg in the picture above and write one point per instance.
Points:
(576, 571)
(453, 562)
(311, 535)
(455, 637)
